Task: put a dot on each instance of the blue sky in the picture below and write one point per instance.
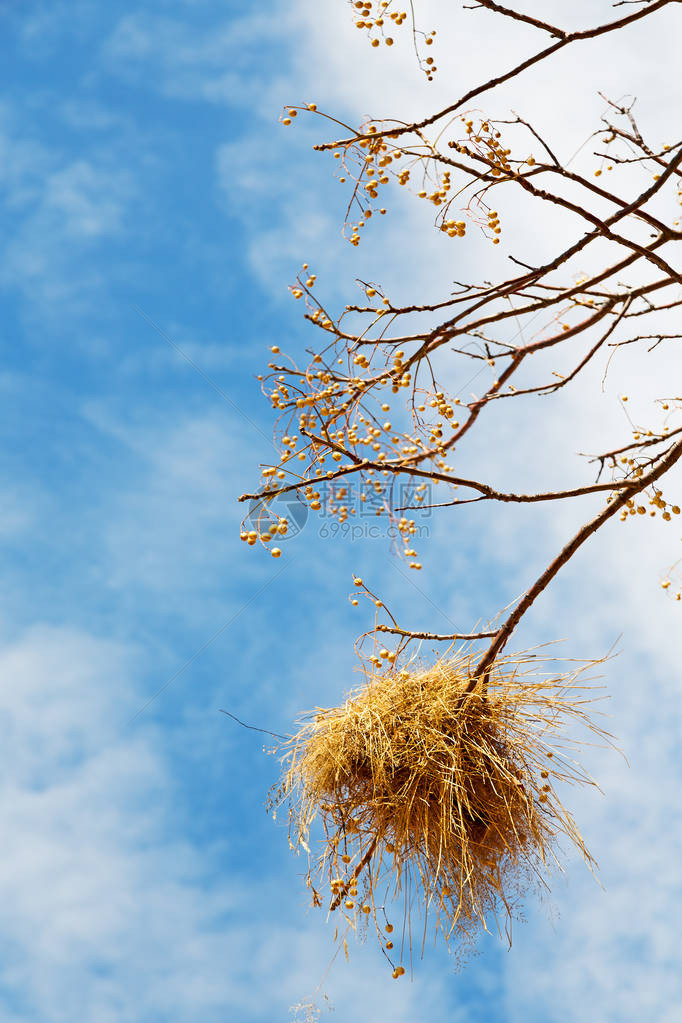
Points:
(149, 196)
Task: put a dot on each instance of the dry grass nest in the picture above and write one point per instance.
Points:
(436, 795)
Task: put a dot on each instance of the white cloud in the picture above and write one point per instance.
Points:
(64, 207)
(25, 162)
(88, 115)
(173, 517)
(87, 202)
(191, 63)
(40, 28)
(17, 508)
(94, 883)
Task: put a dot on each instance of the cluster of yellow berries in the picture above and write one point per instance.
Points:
(327, 398)
(265, 534)
(445, 409)
(372, 21)
(345, 892)
(440, 194)
(338, 885)
(483, 141)
(438, 197)
(292, 112)
(334, 430)
(331, 394)
(385, 657)
(375, 158)
(372, 157)
(544, 789)
(494, 225)
(376, 18)
(430, 67)
(376, 161)
(656, 501)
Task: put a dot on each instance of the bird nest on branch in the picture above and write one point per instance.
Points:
(436, 790)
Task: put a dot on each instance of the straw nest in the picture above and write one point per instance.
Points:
(435, 795)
